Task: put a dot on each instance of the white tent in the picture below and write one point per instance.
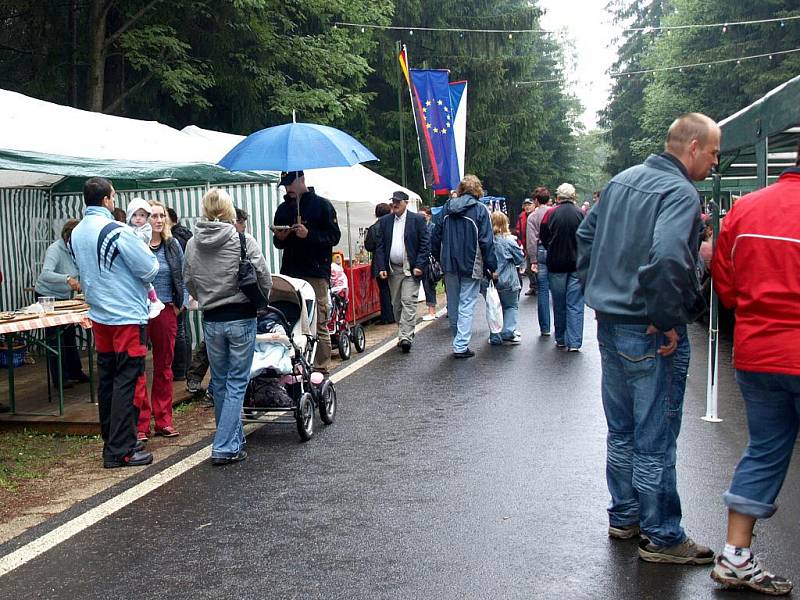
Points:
(354, 191)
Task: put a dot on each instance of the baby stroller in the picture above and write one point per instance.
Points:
(342, 334)
(282, 378)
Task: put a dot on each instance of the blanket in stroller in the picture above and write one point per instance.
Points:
(273, 347)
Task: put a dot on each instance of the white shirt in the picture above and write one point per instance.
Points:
(397, 253)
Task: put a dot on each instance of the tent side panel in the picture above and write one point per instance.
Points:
(25, 233)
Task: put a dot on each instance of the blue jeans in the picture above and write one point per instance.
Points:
(230, 346)
(644, 418)
(509, 300)
(543, 299)
(462, 293)
(772, 402)
(567, 308)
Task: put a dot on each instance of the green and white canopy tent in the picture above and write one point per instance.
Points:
(758, 143)
(46, 153)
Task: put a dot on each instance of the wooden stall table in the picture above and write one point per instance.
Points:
(24, 326)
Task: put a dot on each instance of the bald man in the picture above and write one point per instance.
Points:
(636, 257)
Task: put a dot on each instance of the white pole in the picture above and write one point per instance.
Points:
(712, 387)
(350, 256)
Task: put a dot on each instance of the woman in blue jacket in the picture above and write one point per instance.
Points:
(58, 279)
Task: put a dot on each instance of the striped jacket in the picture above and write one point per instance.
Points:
(115, 267)
(756, 272)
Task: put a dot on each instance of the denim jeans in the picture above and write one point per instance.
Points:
(230, 347)
(772, 402)
(644, 417)
(509, 300)
(543, 299)
(567, 308)
(462, 294)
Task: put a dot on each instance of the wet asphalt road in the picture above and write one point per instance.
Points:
(441, 478)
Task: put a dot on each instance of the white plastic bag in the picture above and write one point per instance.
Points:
(494, 310)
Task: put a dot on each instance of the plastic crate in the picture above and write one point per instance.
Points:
(18, 356)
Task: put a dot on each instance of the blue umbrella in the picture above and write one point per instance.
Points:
(294, 147)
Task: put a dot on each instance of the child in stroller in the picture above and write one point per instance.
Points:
(282, 378)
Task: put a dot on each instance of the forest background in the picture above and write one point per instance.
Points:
(242, 65)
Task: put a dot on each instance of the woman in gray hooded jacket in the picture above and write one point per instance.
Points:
(229, 317)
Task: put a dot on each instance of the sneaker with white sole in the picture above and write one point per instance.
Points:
(514, 341)
(155, 309)
(623, 532)
(685, 553)
(749, 575)
(428, 317)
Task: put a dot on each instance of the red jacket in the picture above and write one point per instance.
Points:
(756, 271)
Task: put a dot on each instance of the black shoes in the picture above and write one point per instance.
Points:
(139, 446)
(82, 378)
(405, 346)
(135, 459)
(465, 354)
(218, 461)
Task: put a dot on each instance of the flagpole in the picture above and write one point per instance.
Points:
(403, 178)
(712, 384)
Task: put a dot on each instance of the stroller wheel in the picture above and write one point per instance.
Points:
(344, 346)
(304, 414)
(359, 338)
(327, 402)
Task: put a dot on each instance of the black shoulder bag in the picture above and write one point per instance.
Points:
(248, 279)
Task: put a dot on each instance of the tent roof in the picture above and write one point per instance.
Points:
(775, 117)
(41, 143)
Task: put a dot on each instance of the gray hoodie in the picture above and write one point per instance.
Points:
(211, 265)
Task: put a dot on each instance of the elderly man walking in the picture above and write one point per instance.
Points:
(636, 258)
(400, 255)
(557, 234)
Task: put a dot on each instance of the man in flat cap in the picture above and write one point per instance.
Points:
(306, 229)
(402, 251)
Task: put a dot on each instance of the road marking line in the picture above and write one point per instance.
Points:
(62, 533)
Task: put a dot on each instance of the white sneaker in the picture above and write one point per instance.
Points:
(155, 309)
(428, 317)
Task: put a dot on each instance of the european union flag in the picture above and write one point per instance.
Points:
(431, 91)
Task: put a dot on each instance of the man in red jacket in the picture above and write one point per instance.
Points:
(522, 224)
(756, 272)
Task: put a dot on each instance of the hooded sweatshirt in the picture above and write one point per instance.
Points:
(143, 232)
(211, 271)
(462, 238)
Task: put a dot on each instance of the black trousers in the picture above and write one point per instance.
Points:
(183, 348)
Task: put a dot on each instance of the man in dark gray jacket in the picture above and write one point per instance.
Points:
(636, 258)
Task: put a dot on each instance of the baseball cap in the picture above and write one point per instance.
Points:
(287, 177)
(527, 201)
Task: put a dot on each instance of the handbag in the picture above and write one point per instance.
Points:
(248, 279)
(433, 271)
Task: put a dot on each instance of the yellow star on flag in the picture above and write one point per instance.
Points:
(427, 103)
(435, 130)
(439, 102)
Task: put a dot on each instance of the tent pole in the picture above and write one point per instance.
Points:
(712, 385)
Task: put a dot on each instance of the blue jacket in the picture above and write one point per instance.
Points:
(637, 247)
(415, 236)
(115, 267)
(58, 265)
(509, 257)
(462, 239)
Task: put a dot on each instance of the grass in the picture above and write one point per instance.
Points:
(30, 455)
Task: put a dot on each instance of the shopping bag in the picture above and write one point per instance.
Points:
(494, 310)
